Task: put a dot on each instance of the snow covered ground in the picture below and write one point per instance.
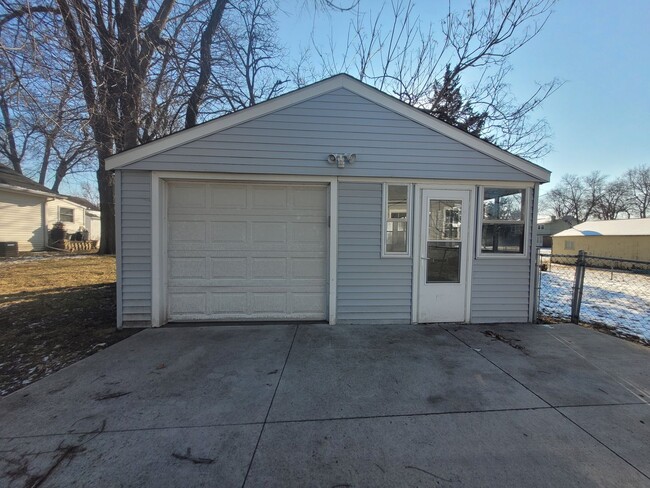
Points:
(619, 300)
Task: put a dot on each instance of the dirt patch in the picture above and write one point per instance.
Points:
(506, 340)
(54, 312)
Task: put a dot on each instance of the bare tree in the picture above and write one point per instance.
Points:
(614, 200)
(638, 180)
(576, 197)
(248, 68)
(409, 60)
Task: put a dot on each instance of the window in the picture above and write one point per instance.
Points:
(66, 214)
(569, 246)
(397, 203)
(503, 221)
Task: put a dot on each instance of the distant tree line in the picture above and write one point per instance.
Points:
(598, 197)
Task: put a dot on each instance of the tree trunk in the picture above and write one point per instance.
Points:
(106, 185)
(205, 62)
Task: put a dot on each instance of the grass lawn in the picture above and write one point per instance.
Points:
(54, 311)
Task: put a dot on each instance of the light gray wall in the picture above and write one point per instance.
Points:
(501, 287)
(369, 289)
(136, 248)
(296, 140)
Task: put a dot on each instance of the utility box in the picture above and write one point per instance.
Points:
(8, 249)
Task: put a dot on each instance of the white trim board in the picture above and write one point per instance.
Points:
(159, 280)
(302, 94)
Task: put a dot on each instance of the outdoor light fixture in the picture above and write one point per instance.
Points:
(341, 159)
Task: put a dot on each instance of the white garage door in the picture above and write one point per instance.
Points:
(241, 251)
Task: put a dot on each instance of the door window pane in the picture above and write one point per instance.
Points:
(444, 220)
(443, 262)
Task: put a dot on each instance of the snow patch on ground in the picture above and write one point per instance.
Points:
(618, 300)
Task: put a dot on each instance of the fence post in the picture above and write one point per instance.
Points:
(578, 286)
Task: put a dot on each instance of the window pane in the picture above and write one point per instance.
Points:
(66, 214)
(503, 238)
(396, 236)
(444, 220)
(503, 204)
(397, 201)
(443, 262)
(397, 219)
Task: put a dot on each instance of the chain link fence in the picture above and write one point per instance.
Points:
(607, 292)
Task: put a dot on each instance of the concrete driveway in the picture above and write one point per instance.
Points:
(341, 406)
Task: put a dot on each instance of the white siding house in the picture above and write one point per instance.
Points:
(70, 214)
(334, 203)
(28, 212)
(23, 210)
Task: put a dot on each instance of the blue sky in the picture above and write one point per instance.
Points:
(600, 118)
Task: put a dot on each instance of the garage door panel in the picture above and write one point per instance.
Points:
(228, 303)
(269, 268)
(228, 268)
(265, 232)
(247, 251)
(265, 197)
(307, 303)
(230, 197)
(308, 268)
(187, 196)
(188, 303)
(228, 232)
(187, 268)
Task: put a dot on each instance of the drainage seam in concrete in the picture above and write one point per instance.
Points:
(277, 386)
(316, 420)
(621, 381)
(551, 406)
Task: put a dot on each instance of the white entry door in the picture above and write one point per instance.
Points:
(444, 249)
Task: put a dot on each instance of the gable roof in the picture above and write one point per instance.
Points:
(82, 201)
(11, 178)
(302, 94)
(626, 227)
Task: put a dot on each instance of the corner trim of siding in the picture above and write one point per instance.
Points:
(118, 248)
(532, 300)
(333, 248)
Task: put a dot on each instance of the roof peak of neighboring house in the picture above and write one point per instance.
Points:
(12, 178)
(82, 201)
(302, 94)
(619, 227)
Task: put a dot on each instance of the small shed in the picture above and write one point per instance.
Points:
(623, 239)
(335, 203)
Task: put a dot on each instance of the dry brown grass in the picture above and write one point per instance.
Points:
(54, 312)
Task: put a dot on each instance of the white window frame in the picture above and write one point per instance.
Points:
(66, 221)
(409, 220)
(525, 212)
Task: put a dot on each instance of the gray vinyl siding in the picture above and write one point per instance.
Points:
(296, 141)
(136, 248)
(501, 287)
(369, 289)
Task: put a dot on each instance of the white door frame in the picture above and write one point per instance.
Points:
(417, 244)
(159, 306)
